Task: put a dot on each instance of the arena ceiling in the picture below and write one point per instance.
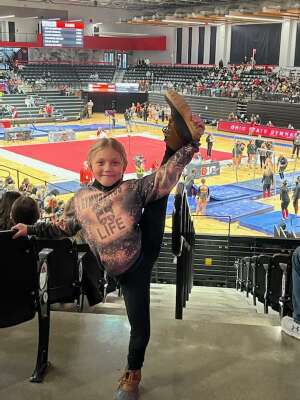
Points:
(176, 12)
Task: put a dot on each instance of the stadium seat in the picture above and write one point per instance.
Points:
(24, 291)
(282, 288)
(65, 271)
(262, 275)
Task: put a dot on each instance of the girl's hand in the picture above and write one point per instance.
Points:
(21, 230)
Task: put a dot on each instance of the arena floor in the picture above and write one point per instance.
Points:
(61, 162)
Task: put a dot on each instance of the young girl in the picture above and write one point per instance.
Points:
(109, 212)
(202, 197)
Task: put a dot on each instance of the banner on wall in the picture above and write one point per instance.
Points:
(256, 130)
(102, 87)
(111, 87)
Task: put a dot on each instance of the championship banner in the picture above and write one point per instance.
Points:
(256, 130)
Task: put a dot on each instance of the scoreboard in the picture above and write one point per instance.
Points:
(62, 34)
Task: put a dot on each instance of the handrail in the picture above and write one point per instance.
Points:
(18, 172)
(183, 239)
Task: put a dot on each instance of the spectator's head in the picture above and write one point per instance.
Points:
(25, 210)
(6, 203)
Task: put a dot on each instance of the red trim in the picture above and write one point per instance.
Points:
(66, 24)
(157, 43)
(38, 43)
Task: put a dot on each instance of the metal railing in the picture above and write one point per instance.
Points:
(183, 240)
(17, 174)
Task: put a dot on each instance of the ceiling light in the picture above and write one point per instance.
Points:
(253, 18)
(7, 16)
(123, 34)
(180, 21)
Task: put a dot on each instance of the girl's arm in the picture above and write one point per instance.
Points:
(160, 183)
(67, 226)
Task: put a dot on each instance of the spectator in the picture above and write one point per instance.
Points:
(296, 144)
(6, 203)
(25, 210)
(48, 110)
(296, 195)
(86, 175)
(267, 181)
(210, 141)
(90, 106)
(285, 200)
(251, 153)
(14, 112)
(262, 155)
(26, 186)
(127, 118)
(282, 164)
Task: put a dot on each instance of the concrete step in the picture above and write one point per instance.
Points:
(185, 360)
(206, 304)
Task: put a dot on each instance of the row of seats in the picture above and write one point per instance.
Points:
(36, 273)
(67, 74)
(268, 279)
(186, 75)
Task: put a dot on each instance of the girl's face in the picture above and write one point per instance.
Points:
(107, 166)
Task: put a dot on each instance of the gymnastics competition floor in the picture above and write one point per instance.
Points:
(236, 196)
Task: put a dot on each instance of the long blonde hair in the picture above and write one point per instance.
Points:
(104, 143)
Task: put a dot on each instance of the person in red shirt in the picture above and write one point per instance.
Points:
(49, 110)
(86, 175)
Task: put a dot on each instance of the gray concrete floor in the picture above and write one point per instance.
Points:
(186, 360)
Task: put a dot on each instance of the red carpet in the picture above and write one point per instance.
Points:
(70, 155)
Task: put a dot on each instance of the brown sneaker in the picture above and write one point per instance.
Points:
(129, 385)
(184, 126)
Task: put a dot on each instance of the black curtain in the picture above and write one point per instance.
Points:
(190, 45)
(121, 101)
(201, 45)
(179, 46)
(265, 38)
(297, 54)
(212, 50)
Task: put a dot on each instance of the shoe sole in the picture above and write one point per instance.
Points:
(181, 113)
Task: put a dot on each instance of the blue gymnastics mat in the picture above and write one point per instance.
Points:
(43, 130)
(231, 192)
(236, 209)
(255, 184)
(65, 187)
(265, 223)
(170, 205)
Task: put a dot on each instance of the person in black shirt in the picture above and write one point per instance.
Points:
(296, 195)
(285, 200)
(282, 163)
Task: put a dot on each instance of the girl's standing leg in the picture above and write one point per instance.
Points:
(152, 223)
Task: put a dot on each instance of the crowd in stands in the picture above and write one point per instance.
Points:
(28, 203)
(235, 81)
